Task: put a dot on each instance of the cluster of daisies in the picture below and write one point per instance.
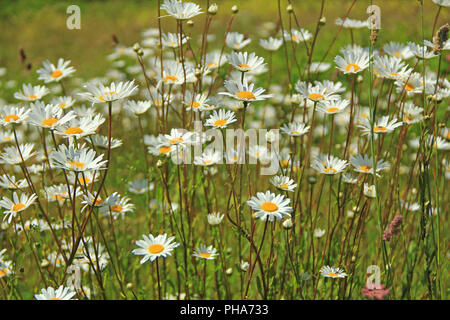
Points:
(50, 134)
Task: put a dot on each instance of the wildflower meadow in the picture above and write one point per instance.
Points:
(228, 150)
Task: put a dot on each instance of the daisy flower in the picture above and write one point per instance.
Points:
(316, 67)
(173, 73)
(101, 142)
(213, 59)
(220, 119)
(84, 179)
(80, 127)
(51, 73)
(244, 91)
(63, 102)
(138, 107)
(410, 83)
(116, 205)
(6, 268)
(333, 106)
(370, 191)
(8, 136)
(245, 62)
(398, 50)
(58, 192)
(209, 157)
(314, 93)
(329, 165)
(412, 114)
(153, 248)
(61, 293)
(270, 206)
(172, 40)
(92, 200)
(442, 3)
(12, 114)
(204, 252)
(363, 164)
(352, 23)
(383, 125)
(181, 10)
(295, 129)
(139, 186)
(10, 182)
(283, 183)
(11, 155)
(352, 62)
(197, 102)
(48, 116)
(319, 233)
(235, 41)
(332, 272)
(390, 67)
(17, 204)
(421, 51)
(271, 44)
(297, 36)
(215, 218)
(98, 93)
(77, 159)
(178, 137)
(30, 93)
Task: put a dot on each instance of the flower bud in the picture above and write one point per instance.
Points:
(212, 10)
(234, 9)
(289, 8)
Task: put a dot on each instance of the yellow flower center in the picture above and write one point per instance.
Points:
(49, 122)
(409, 87)
(205, 255)
(353, 67)
(155, 248)
(83, 181)
(269, 206)
(397, 54)
(284, 186)
(13, 117)
(54, 298)
(74, 130)
(245, 95)
(284, 163)
(379, 128)
(294, 38)
(32, 96)
(219, 123)
(212, 65)
(328, 170)
(205, 162)
(332, 109)
(3, 272)
(365, 168)
(116, 208)
(56, 74)
(170, 78)
(194, 104)
(165, 149)
(243, 66)
(332, 274)
(18, 206)
(316, 96)
(175, 140)
(62, 105)
(76, 164)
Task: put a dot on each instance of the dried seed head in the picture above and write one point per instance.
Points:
(440, 38)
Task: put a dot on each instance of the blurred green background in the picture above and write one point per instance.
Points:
(39, 27)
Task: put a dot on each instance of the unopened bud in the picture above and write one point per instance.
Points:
(322, 21)
(287, 224)
(190, 23)
(289, 8)
(136, 47)
(212, 10)
(234, 9)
